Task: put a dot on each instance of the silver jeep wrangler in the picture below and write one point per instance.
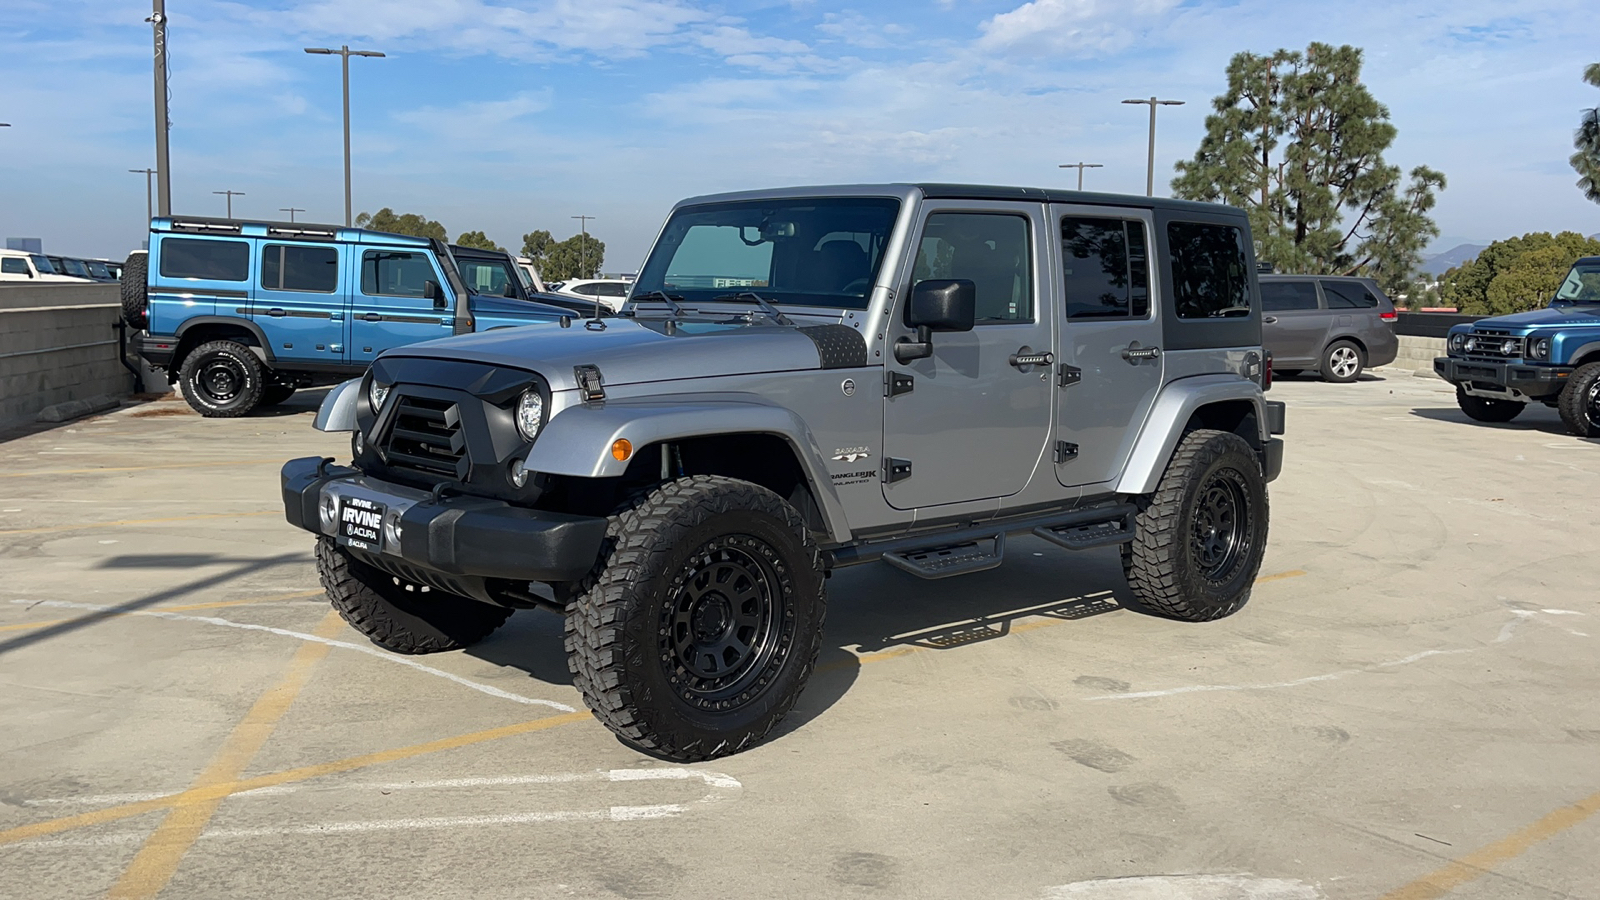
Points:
(805, 379)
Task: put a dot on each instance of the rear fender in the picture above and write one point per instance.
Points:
(1173, 409)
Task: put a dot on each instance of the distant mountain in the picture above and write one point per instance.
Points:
(1439, 263)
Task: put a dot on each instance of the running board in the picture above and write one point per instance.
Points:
(951, 559)
(1116, 528)
(956, 551)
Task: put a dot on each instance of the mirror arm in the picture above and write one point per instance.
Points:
(906, 350)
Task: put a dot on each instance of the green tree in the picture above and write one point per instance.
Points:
(536, 246)
(573, 258)
(479, 240)
(1586, 162)
(1515, 274)
(388, 220)
(1298, 142)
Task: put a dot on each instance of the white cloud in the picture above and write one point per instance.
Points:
(1060, 26)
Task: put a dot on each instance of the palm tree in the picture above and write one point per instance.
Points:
(1587, 140)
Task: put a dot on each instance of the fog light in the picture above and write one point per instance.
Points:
(1508, 348)
(519, 473)
(329, 511)
(359, 443)
(392, 529)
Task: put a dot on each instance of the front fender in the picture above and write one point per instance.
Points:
(338, 409)
(1171, 412)
(577, 441)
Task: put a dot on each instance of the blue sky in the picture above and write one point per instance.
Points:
(510, 115)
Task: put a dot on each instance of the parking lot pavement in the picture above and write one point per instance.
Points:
(1406, 709)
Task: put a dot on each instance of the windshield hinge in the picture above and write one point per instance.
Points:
(895, 384)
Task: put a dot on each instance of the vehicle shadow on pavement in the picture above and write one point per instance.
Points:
(1536, 418)
(531, 640)
(238, 568)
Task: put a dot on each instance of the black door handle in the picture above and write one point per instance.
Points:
(372, 317)
(276, 313)
(1134, 353)
(1268, 320)
(1026, 357)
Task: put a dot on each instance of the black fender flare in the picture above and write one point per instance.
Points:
(262, 348)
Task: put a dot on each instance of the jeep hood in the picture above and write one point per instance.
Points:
(1582, 314)
(630, 351)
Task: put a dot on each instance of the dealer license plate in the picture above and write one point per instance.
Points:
(361, 523)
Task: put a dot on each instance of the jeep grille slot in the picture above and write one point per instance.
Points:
(427, 438)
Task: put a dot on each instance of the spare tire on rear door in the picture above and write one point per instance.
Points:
(135, 295)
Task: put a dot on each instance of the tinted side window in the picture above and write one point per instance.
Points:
(1210, 277)
(990, 250)
(395, 273)
(611, 290)
(485, 277)
(11, 265)
(1105, 268)
(1348, 295)
(211, 260)
(289, 268)
(1284, 296)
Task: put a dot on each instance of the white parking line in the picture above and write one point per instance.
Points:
(343, 645)
(1186, 887)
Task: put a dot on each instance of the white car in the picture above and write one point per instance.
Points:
(611, 292)
(16, 265)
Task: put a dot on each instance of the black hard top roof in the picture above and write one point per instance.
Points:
(939, 191)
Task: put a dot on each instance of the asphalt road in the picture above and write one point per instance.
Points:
(1406, 709)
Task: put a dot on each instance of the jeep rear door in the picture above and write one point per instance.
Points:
(391, 307)
(967, 423)
(300, 301)
(1110, 365)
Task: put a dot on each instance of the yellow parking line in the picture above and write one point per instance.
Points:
(221, 604)
(1483, 860)
(1292, 573)
(203, 465)
(161, 853)
(121, 522)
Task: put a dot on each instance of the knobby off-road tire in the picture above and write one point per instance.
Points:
(222, 379)
(1487, 409)
(1579, 403)
(397, 615)
(1200, 536)
(705, 624)
(135, 293)
(1342, 362)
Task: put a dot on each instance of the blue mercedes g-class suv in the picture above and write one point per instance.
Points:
(243, 313)
(1550, 355)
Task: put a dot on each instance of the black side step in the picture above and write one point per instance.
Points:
(1113, 525)
(951, 559)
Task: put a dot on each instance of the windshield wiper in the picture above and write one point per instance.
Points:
(766, 305)
(664, 297)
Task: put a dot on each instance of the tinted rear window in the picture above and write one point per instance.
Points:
(1105, 268)
(1348, 295)
(210, 260)
(1211, 279)
(1283, 296)
(285, 267)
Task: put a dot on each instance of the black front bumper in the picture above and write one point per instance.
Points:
(464, 538)
(1531, 380)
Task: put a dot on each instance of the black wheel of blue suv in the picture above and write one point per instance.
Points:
(1579, 404)
(1487, 409)
(222, 379)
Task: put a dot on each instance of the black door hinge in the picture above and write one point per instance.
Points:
(896, 470)
(1067, 376)
(895, 384)
(1066, 451)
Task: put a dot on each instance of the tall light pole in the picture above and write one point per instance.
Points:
(1080, 166)
(148, 213)
(1150, 178)
(231, 195)
(583, 243)
(158, 24)
(344, 53)
(291, 210)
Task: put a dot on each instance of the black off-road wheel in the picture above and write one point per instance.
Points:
(135, 292)
(222, 379)
(705, 624)
(399, 615)
(1342, 362)
(1487, 409)
(1200, 537)
(1579, 403)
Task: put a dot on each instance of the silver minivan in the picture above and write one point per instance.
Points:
(1336, 325)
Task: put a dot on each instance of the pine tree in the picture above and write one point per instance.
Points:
(1586, 162)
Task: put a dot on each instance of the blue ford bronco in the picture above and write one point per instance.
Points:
(243, 313)
(1550, 356)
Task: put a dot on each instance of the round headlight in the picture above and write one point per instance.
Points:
(376, 393)
(530, 413)
(1457, 340)
(1539, 348)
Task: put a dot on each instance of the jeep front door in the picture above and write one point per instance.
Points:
(1111, 360)
(970, 421)
(394, 304)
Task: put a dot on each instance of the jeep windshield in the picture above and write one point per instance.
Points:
(1582, 284)
(803, 252)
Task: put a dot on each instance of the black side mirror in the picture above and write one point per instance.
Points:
(432, 291)
(938, 304)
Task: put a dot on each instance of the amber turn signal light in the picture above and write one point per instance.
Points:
(621, 449)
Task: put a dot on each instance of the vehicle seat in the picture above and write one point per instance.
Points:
(993, 273)
(839, 263)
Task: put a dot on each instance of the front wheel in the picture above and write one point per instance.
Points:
(1579, 404)
(400, 615)
(1487, 409)
(1199, 539)
(705, 624)
(1342, 362)
(222, 379)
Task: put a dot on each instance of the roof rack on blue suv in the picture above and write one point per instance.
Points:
(242, 313)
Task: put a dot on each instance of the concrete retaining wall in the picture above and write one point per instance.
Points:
(1418, 353)
(58, 344)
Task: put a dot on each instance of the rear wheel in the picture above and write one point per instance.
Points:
(399, 615)
(1199, 539)
(1487, 409)
(222, 379)
(135, 293)
(1342, 362)
(1579, 404)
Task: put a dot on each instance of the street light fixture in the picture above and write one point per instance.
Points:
(344, 53)
(583, 243)
(231, 195)
(291, 210)
(1080, 166)
(1150, 178)
(149, 210)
